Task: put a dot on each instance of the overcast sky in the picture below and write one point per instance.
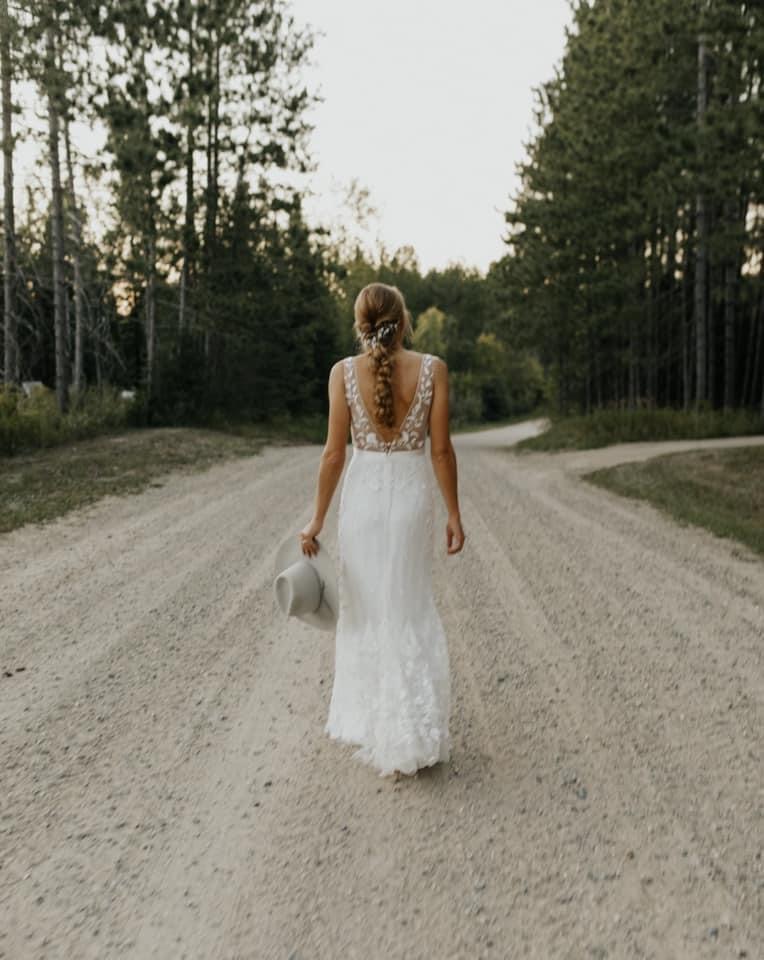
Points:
(428, 104)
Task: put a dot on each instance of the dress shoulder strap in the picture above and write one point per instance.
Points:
(346, 374)
(360, 427)
(427, 378)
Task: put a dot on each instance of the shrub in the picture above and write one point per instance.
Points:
(27, 423)
(466, 398)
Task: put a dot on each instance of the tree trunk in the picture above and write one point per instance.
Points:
(632, 365)
(746, 397)
(150, 308)
(188, 224)
(598, 376)
(759, 361)
(76, 245)
(651, 306)
(97, 358)
(669, 312)
(10, 319)
(730, 290)
(211, 199)
(95, 325)
(712, 353)
(213, 151)
(701, 259)
(685, 321)
(57, 223)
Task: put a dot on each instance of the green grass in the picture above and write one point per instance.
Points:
(45, 484)
(604, 427)
(721, 490)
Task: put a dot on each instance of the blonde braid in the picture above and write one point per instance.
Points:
(382, 368)
(380, 315)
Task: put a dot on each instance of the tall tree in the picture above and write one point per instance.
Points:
(701, 257)
(75, 237)
(632, 257)
(53, 91)
(10, 320)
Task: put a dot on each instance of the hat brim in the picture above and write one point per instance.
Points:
(289, 552)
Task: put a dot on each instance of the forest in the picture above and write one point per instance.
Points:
(196, 281)
(635, 241)
(177, 263)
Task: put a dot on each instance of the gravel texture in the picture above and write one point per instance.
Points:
(168, 790)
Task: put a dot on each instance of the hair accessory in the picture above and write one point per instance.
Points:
(383, 334)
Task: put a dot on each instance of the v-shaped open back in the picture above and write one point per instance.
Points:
(411, 433)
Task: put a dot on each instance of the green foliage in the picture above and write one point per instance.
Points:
(463, 319)
(510, 382)
(600, 278)
(502, 384)
(603, 427)
(466, 398)
(27, 423)
(208, 294)
(429, 332)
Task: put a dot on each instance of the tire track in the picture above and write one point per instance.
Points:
(173, 793)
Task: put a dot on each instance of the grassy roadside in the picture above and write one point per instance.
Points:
(604, 427)
(721, 490)
(45, 484)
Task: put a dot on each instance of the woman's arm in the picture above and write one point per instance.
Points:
(332, 459)
(443, 456)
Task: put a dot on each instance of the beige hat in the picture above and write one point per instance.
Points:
(306, 587)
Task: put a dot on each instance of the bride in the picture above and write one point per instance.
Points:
(391, 692)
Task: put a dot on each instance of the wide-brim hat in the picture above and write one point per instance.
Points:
(306, 587)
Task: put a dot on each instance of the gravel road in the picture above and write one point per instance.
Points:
(168, 791)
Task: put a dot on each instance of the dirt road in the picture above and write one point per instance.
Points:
(168, 791)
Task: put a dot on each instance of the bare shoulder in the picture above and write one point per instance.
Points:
(337, 378)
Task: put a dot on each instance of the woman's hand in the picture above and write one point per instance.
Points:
(454, 535)
(308, 536)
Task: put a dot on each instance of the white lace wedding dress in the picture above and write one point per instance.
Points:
(391, 692)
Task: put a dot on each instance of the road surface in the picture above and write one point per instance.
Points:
(168, 790)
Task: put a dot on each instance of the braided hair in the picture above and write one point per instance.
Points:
(381, 321)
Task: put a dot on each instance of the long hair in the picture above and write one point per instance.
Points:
(382, 320)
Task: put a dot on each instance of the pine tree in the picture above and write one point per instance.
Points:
(10, 318)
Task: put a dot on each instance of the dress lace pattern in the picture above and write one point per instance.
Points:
(391, 691)
(413, 430)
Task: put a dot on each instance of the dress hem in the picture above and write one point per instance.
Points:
(365, 754)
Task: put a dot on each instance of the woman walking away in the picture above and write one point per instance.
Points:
(391, 692)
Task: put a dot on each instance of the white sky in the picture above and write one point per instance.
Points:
(428, 104)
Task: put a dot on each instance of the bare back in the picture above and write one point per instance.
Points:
(404, 380)
(411, 384)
